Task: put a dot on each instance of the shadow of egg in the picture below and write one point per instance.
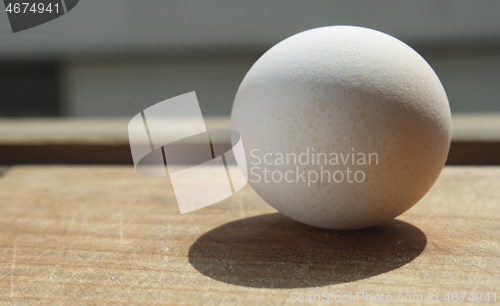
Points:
(273, 251)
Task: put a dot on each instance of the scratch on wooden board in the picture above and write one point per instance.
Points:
(79, 285)
(206, 289)
(12, 271)
(332, 271)
(24, 296)
(51, 276)
(48, 294)
(111, 276)
(156, 298)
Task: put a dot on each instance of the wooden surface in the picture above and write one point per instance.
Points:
(92, 235)
(476, 139)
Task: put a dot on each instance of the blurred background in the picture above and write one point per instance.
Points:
(116, 57)
(113, 58)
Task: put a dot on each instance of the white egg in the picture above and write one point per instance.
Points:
(366, 109)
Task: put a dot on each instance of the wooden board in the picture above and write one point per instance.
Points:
(91, 235)
(475, 140)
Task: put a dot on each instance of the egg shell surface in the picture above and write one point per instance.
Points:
(346, 92)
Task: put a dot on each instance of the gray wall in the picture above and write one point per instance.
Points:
(116, 57)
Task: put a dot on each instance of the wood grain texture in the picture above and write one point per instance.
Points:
(93, 235)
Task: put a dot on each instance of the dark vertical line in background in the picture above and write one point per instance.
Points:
(211, 145)
(61, 84)
(164, 158)
(228, 174)
(147, 131)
